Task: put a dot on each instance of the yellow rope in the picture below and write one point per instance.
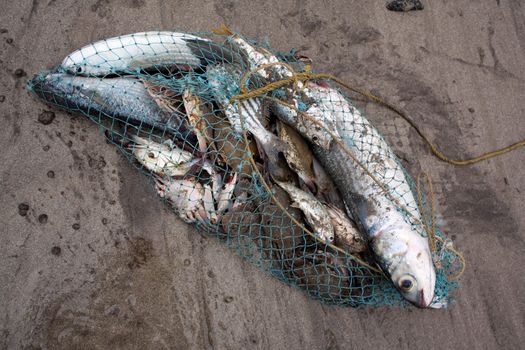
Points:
(460, 256)
(299, 77)
(431, 231)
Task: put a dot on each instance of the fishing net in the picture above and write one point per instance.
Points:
(167, 112)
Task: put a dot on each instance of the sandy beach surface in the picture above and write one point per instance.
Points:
(110, 267)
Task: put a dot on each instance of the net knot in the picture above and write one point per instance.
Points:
(295, 78)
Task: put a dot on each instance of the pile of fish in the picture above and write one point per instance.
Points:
(256, 172)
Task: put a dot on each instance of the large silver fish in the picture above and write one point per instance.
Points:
(143, 51)
(399, 245)
(398, 242)
(126, 99)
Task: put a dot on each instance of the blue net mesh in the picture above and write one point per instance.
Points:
(237, 169)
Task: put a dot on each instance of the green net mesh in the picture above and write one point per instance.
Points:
(163, 98)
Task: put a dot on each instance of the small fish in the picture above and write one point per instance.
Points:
(298, 155)
(164, 159)
(225, 195)
(315, 213)
(137, 52)
(347, 235)
(186, 197)
(126, 99)
(326, 189)
(196, 110)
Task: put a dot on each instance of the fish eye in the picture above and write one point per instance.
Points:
(407, 283)
(151, 155)
(79, 70)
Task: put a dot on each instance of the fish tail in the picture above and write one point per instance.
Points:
(208, 52)
(117, 138)
(222, 30)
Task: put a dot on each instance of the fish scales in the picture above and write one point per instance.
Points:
(369, 147)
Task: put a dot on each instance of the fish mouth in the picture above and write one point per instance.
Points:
(38, 86)
(422, 302)
(46, 86)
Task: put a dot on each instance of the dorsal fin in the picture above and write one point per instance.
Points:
(222, 30)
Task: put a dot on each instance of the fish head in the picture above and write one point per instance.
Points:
(405, 256)
(326, 235)
(150, 157)
(89, 61)
(68, 92)
(359, 243)
(415, 277)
